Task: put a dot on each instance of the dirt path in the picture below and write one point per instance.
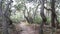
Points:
(33, 29)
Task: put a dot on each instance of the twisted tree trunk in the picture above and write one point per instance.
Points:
(4, 19)
(53, 14)
(28, 18)
(43, 17)
(54, 20)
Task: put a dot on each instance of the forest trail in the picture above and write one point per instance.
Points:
(32, 29)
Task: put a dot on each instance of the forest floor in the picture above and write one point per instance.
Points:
(50, 30)
(47, 30)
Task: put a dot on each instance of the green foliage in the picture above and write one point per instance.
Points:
(59, 20)
(19, 7)
(20, 4)
(17, 17)
(48, 20)
(37, 19)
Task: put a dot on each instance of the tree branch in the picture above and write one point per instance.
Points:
(47, 8)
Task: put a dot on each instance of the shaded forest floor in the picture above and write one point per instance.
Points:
(47, 30)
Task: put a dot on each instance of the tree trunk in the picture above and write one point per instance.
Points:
(43, 17)
(36, 10)
(5, 20)
(53, 16)
(28, 18)
(1, 14)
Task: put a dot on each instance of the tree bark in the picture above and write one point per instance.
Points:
(54, 20)
(43, 17)
(5, 20)
(53, 14)
(1, 13)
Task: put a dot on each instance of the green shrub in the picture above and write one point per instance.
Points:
(17, 17)
(59, 20)
(48, 20)
(37, 19)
